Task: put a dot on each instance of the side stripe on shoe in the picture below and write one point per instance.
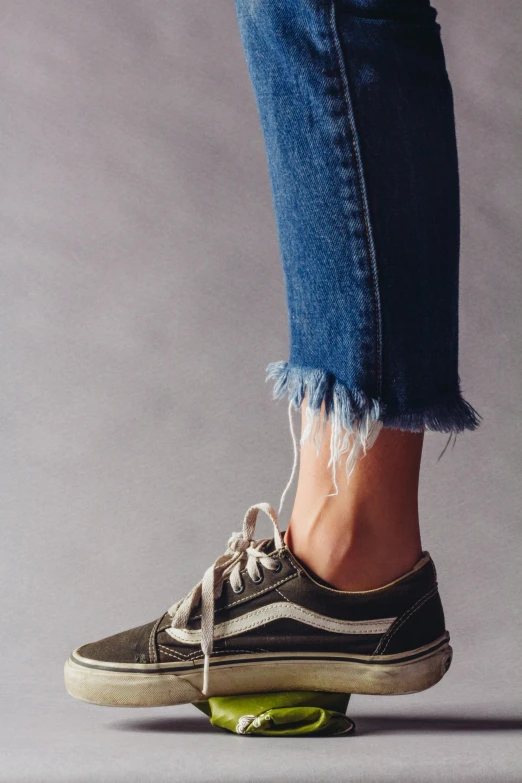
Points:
(284, 610)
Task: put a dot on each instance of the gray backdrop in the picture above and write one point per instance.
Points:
(142, 299)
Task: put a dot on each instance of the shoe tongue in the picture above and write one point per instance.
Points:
(270, 545)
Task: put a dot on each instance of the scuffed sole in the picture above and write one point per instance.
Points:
(157, 685)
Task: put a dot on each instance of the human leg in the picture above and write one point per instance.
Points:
(364, 533)
(356, 111)
(357, 114)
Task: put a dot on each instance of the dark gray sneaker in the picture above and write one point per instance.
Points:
(259, 622)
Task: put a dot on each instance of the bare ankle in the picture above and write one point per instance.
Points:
(359, 559)
(364, 532)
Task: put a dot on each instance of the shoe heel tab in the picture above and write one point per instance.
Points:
(425, 560)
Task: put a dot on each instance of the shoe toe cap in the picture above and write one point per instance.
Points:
(132, 646)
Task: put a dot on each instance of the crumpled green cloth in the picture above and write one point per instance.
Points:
(285, 714)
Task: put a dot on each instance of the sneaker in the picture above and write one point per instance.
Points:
(259, 622)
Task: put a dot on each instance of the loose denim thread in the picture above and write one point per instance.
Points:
(452, 415)
(354, 418)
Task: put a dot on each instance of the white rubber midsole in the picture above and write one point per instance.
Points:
(129, 685)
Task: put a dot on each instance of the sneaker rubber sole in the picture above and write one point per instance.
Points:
(164, 684)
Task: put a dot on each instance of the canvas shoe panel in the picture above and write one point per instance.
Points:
(282, 631)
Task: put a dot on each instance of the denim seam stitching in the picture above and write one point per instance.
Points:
(364, 199)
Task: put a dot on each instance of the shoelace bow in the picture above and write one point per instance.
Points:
(242, 551)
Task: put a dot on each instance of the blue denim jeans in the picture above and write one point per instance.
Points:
(357, 115)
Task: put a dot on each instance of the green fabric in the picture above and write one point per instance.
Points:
(285, 714)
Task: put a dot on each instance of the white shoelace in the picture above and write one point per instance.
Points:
(242, 551)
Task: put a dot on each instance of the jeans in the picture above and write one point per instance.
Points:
(357, 115)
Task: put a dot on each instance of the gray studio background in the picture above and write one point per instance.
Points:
(142, 298)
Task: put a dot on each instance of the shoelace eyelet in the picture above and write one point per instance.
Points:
(237, 592)
(279, 567)
(258, 581)
(242, 554)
